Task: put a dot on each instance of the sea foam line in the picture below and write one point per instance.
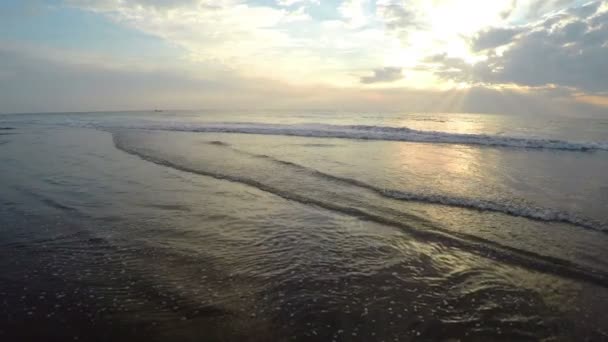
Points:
(386, 133)
(529, 212)
(525, 211)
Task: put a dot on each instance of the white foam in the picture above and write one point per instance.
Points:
(377, 133)
(526, 211)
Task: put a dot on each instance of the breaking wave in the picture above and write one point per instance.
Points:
(528, 211)
(386, 133)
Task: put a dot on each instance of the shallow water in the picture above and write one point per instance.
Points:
(162, 226)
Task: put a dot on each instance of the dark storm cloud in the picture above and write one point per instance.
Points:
(570, 50)
(387, 74)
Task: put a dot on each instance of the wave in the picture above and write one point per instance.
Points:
(362, 132)
(415, 226)
(526, 211)
(529, 212)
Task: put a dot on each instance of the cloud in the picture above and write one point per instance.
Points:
(586, 10)
(399, 18)
(538, 8)
(355, 12)
(506, 13)
(493, 38)
(257, 39)
(288, 3)
(566, 50)
(162, 5)
(382, 75)
(35, 83)
(281, 52)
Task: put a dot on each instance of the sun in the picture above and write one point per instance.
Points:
(449, 28)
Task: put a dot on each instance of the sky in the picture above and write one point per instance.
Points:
(502, 56)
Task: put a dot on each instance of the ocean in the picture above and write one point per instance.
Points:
(307, 226)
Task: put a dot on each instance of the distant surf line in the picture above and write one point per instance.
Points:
(381, 133)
